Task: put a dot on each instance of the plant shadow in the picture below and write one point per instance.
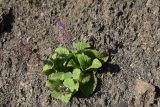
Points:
(6, 23)
(107, 67)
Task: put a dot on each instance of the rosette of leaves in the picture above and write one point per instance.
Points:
(72, 71)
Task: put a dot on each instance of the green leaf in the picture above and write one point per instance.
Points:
(95, 54)
(71, 84)
(104, 57)
(89, 87)
(48, 68)
(84, 61)
(76, 74)
(54, 56)
(85, 78)
(59, 95)
(62, 51)
(53, 84)
(92, 53)
(95, 64)
(68, 71)
(81, 45)
(60, 76)
(67, 75)
(59, 64)
(72, 63)
(56, 76)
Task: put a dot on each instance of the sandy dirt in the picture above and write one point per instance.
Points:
(129, 30)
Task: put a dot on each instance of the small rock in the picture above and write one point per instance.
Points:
(148, 2)
(144, 93)
(156, 62)
(42, 14)
(123, 86)
(28, 39)
(141, 87)
(4, 40)
(19, 34)
(122, 104)
(96, 29)
(100, 103)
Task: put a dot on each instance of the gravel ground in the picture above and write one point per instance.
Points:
(129, 30)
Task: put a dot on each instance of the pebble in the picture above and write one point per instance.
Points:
(42, 14)
(96, 29)
(122, 104)
(144, 92)
(48, 51)
(141, 87)
(123, 86)
(148, 2)
(19, 33)
(100, 102)
(4, 40)
(28, 39)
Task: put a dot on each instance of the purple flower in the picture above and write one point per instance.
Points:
(60, 25)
